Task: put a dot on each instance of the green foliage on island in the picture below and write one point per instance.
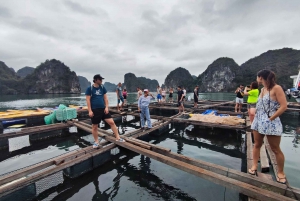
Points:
(110, 87)
(23, 72)
(131, 82)
(84, 83)
(224, 75)
(180, 77)
(284, 62)
(7, 79)
(219, 76)
(52, 76)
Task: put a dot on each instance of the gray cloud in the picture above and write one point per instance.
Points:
(4, 12)
(148, 38)
(76, 7)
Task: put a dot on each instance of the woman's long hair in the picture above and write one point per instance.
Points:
(269, 77)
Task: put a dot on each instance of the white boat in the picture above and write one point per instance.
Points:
(295, 92)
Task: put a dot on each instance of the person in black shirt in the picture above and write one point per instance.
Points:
(179, 99)
(239, 100)
(196, 92)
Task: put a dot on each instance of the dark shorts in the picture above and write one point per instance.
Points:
(179, 103)
(163, 96)
(251, 105)
(125, 97)
(99, 115)
(195, 99)
(170, 95)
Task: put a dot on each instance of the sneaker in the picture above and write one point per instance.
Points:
(147, 128)
(121, 140)
(96, 145)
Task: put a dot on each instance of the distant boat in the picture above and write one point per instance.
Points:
(295, 91)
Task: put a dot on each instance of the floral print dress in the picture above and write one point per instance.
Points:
(261, 122)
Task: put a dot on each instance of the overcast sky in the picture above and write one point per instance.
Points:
(147, 38)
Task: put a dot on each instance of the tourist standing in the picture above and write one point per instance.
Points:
(239, 100)
(184, 94)
(270, 105)
(252, 94)
(119, 96)
(163, 94)
(179, 99)
(158, 90)
(125, 96)
(171, 95)
(196, 92)
(139, 93)
(143, 108)
(97, 103)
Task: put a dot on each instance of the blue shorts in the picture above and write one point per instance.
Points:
(121, 99)
(158, 97)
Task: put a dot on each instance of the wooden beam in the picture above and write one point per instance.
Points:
(264, 161)
(181, 163)
(30, 179)
(242, 187)
(35, 130)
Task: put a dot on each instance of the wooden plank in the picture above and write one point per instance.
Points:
(242, 187)
(264, 161)
(209, 167)
(24, 172)
(209, 124)
(152, 145)
(138, 144)
(35, 130)
(69, 156)
(30, 179)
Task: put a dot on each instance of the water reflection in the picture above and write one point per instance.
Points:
(141, 175)
(228, 142)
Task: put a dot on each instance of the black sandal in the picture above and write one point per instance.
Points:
(254, 172)
(278, 180)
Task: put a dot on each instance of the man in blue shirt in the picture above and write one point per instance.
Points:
(119, 96)
(97, 103)
(143, 107)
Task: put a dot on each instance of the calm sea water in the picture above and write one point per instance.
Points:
(135, 177)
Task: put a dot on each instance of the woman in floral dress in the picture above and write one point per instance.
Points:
(271, 104)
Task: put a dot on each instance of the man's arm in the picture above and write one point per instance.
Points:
(88, 103)
(237, 90)
(106, 103)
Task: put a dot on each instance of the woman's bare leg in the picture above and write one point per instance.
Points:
(258, 138)
(274, 142)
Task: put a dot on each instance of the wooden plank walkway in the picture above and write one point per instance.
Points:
(35, 130)
(66, 160)
(161, 155)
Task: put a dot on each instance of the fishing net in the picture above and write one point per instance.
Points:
(51, 118)
(212, 118)
(49, 182)
(18, 143)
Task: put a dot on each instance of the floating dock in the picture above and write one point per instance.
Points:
(75, 163)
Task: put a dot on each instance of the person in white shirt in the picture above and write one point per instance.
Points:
(143, 108)
(163, 94)
(184, 94)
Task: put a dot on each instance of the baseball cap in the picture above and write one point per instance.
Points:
(145, 90)
(98, 76)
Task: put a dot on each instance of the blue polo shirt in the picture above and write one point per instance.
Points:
(97, 96)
